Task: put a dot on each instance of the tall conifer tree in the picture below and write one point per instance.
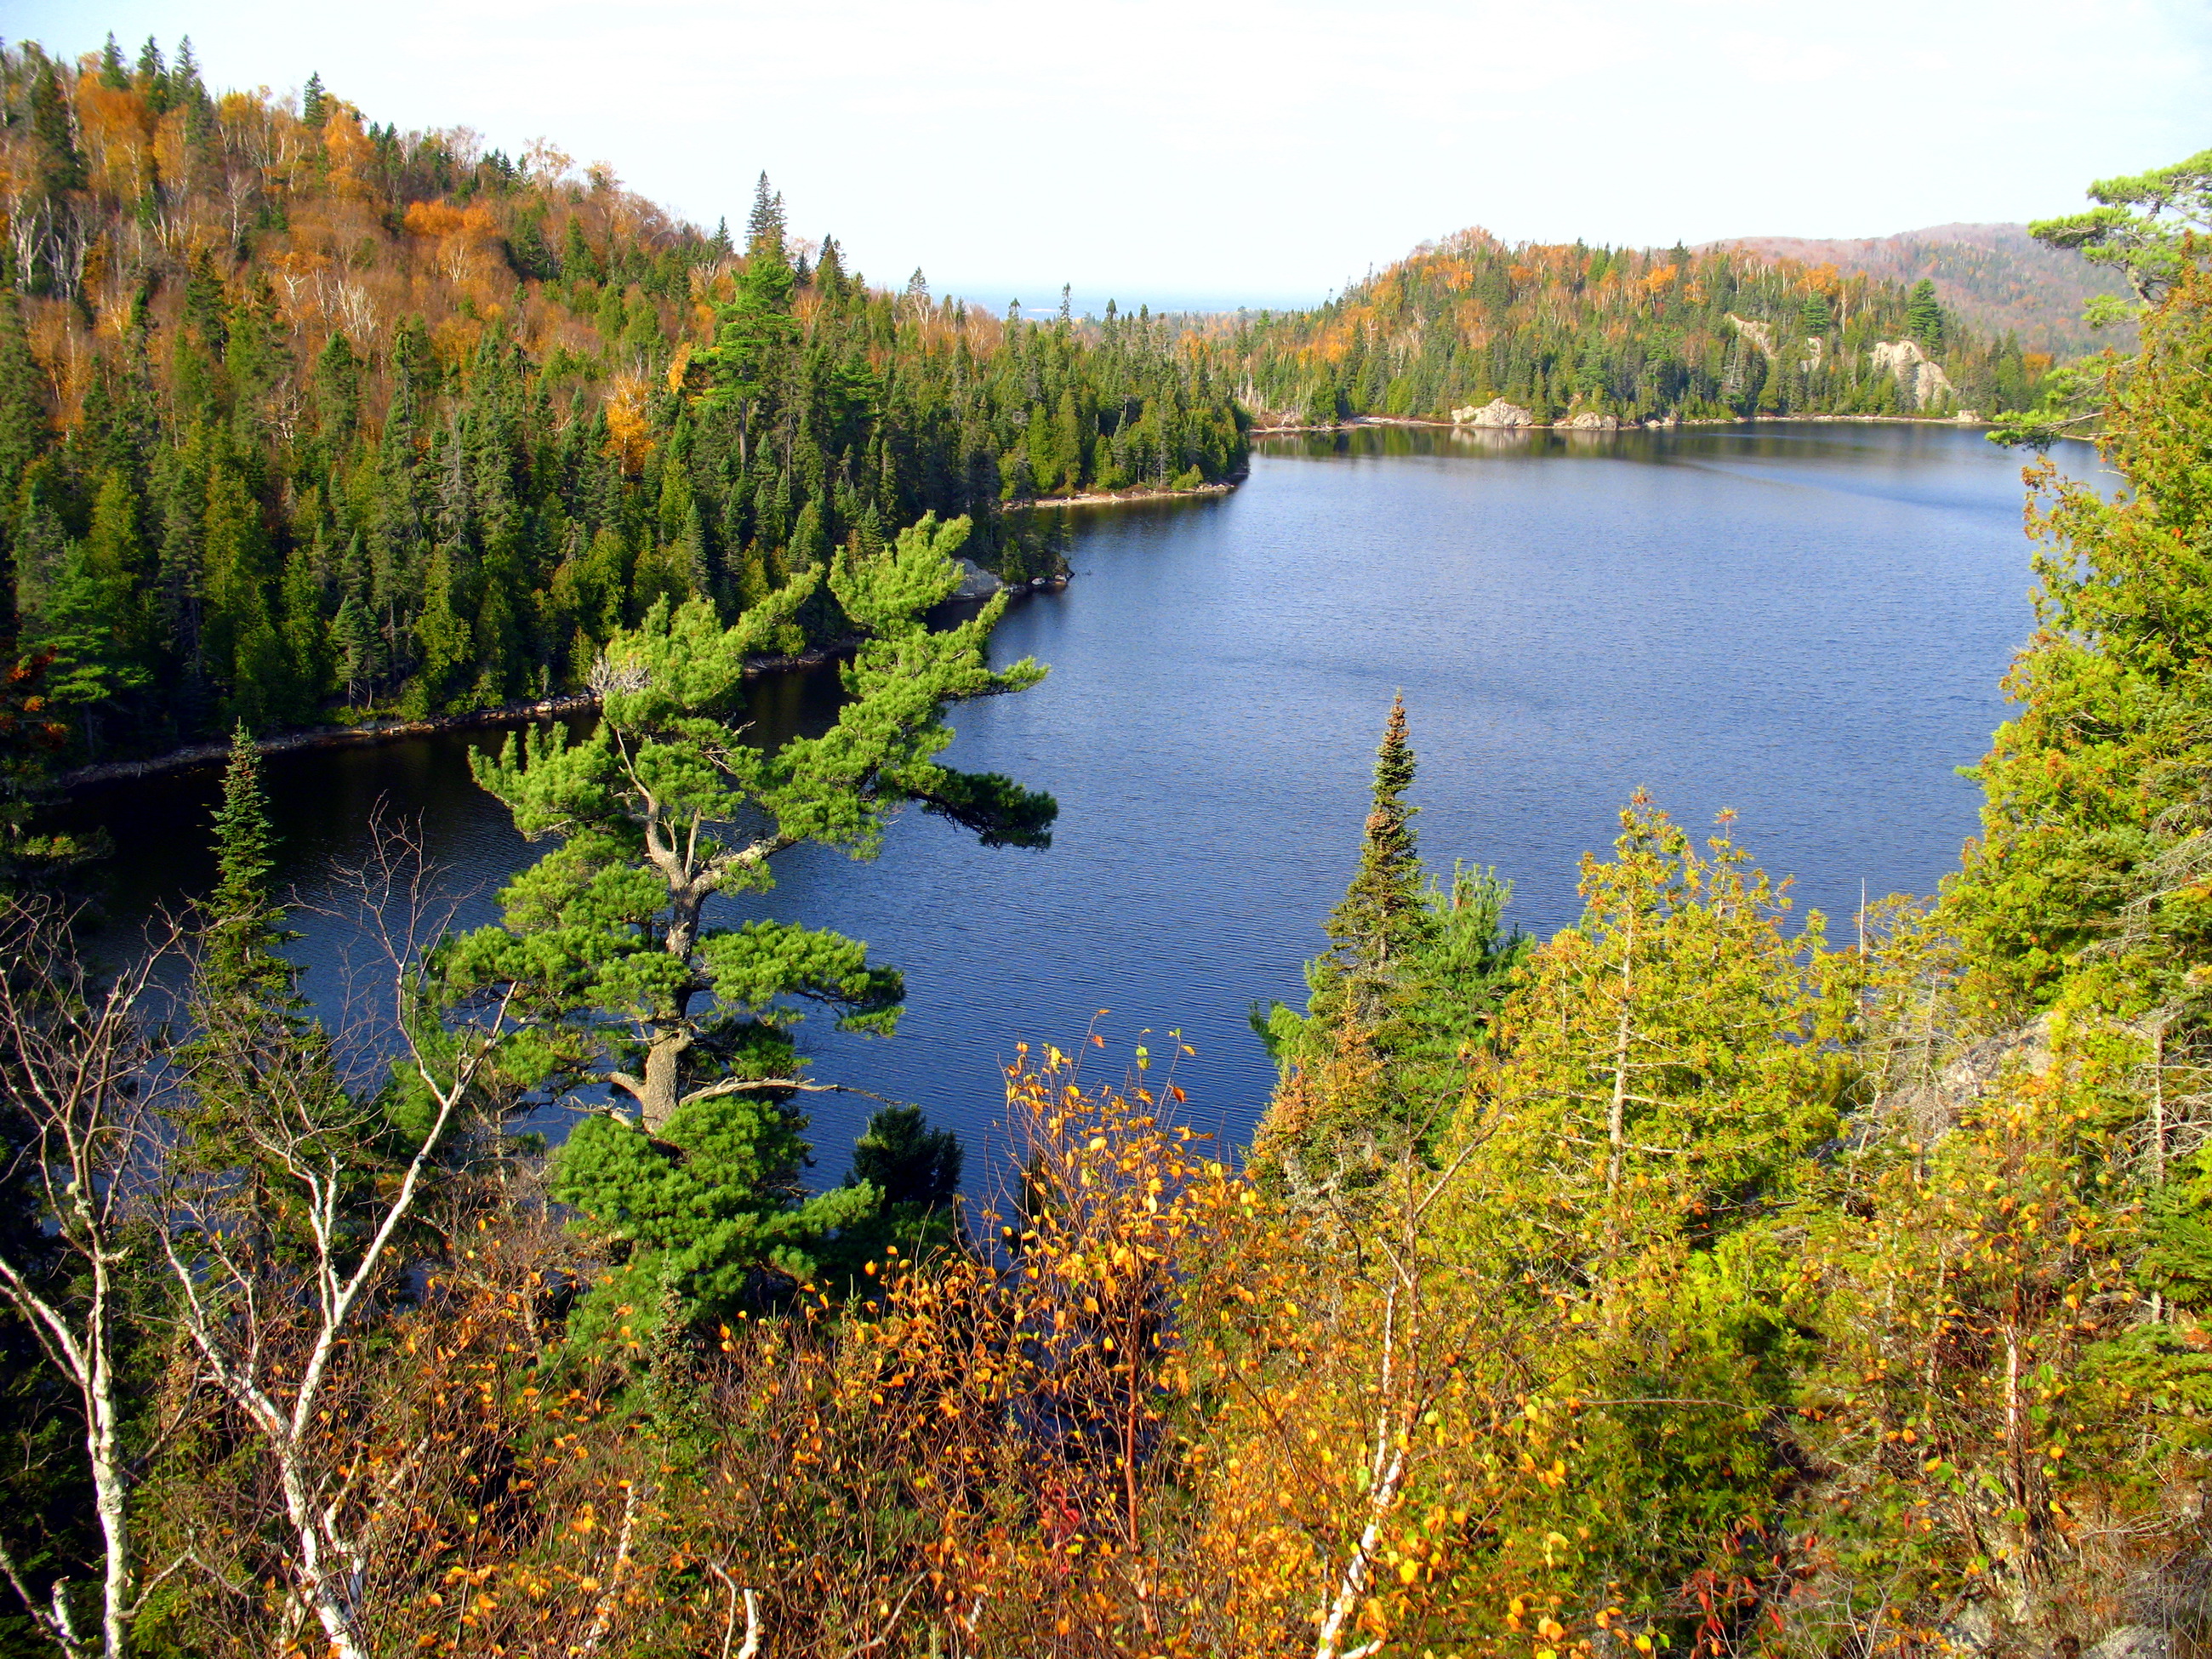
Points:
(1381, 920)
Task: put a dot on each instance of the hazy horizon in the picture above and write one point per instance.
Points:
(1204, 155)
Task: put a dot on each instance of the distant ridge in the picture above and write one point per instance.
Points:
(1997, 277)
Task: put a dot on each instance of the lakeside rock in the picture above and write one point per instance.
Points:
(976, 582)
(1925, 382)
(1590, 421)
(1496, 412)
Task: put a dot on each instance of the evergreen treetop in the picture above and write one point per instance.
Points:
(243, 924)
(1380, 917)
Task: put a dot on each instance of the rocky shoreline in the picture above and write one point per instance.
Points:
(1132, 497)
(1593, 423)
(1129, 497)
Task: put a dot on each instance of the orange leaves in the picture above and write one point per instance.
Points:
(443, 219)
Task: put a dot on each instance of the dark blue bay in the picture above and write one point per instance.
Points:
(1806, 623)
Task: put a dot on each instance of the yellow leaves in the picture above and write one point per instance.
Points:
(629, 436)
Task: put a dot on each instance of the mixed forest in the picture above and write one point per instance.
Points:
(1716, 333)
(1707, 1279)
(305, 417)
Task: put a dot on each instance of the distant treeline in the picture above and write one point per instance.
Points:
(1562, 330)
(301, 414)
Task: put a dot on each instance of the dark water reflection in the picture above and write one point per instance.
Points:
(1805, 623)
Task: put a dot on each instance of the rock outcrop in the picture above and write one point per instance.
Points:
(1496, 412)
(2132, 1642)
(1925, 382)
(1758, 333)
(976, 582)
(1590, 421)
(1929, 1107)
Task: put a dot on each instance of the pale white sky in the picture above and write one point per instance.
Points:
(1180, 150)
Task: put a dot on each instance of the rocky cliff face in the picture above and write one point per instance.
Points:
(1924, 382)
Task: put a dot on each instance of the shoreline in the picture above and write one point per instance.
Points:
(523, 712)
(1133, 497)
(1667, 425)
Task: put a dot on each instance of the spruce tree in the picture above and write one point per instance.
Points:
(1381, 920)
(152, 77)
(23, 433)
(244, 925)
(1398, 1008)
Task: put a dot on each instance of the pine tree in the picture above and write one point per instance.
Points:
(615, 971)
(1923, 318)
(313, 103)
(764, 225)
(644, 789)
(914, 1172)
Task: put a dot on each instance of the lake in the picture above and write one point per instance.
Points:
(1805, 623)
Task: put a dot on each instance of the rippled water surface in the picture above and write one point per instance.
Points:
(1805, 624)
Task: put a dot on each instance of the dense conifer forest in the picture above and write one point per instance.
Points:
(1706, 1279)
(1718, 333)
(303, 415)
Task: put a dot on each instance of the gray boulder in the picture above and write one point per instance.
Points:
(1496, 412)
(976, 582)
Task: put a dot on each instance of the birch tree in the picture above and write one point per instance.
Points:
(77, 1056)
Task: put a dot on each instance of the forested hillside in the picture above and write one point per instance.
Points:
(1631, 335)
(301, 414)
(1996, 279)
(1706, 1279)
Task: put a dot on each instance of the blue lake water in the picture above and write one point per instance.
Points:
(1804, 622)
